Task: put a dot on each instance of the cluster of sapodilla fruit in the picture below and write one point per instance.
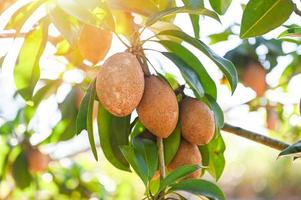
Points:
(122, 87)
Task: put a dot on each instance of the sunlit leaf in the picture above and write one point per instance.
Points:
(145, 7)
(67, 25)
(172, 11)
(99, 16)
(260, 17)
(21, 15)
(27, 69)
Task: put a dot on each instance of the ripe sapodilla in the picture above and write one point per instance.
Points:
(94, 43)
(187, 154)
(158, 109)
(197, 121)
(37, 161)
(120, 84)
(254, 77)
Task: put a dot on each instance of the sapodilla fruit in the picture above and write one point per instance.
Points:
(254, 77)
(120, 84)
(187, 154)
(37, 161)
(158, 109)
(197, 121)
(94, 43)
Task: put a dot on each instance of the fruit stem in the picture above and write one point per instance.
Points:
(160, 148)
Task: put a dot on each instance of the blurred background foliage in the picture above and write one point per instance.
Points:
(63, 168)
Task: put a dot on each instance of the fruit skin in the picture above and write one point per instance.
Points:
(37, 161)
(254, 77)
(187, 154)
(94, 43)
(120, 84)
(158, 110)
(197, 121)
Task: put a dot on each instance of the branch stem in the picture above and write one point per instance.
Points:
(256, 137)
(160, 148)
(297, 11)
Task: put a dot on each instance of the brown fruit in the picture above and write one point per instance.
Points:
(37, 161)
(94, 43)
(120, 84)
(158, 109)
(254, 77)
(272, 118)
(187, 154)
(197, 121)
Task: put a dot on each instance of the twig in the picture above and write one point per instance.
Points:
(256, 137)
(160, 148)
(8, 35)
(297, 11)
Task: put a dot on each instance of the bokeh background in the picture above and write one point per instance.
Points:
(252, 171)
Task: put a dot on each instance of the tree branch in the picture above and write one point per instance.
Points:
(10, 34)
(297, 11)
(256, 137)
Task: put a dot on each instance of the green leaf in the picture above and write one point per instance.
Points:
(213, 155)
(293, 150)
(147, 150)
(194, 18)
(86, 13)
(220, 37)
(90, 118)
(175, 10)
(43, 93)
(145, 7)
(220, 6)
(27, 69)
(200, 187)
(291, 32)
(113, 132)
(67, 25)
(260, 17)
(21, 15)
(190, 76)
(137, 130)
(143, 158)
(225, 65)
(218, 112)
(20, 171)
(171, 144)
(178, 174)
(66, 128)
(194, 64)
